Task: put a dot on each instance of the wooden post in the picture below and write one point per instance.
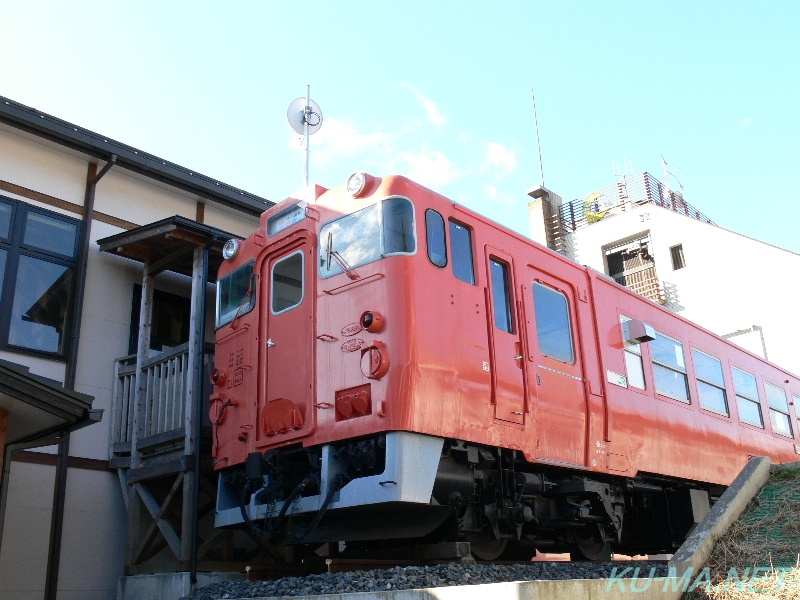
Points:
(3, 432)
(194, 370)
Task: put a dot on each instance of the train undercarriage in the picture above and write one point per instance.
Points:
(399, 488)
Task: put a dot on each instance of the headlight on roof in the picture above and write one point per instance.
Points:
(230, 249)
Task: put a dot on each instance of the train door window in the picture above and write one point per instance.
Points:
(398, 226)
(236, 294)
(287, 283)
(501, 296)
(553, 330)
(669, 368)
(747, 399)
(710, 383)
(461, 252)
(633, 361)
(778, 409)
(434, 233)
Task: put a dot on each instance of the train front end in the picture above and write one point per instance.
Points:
(314, 372)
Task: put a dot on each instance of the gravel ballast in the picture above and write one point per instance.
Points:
(409, 578)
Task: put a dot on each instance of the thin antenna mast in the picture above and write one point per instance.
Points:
(305, 117)
(538, 141)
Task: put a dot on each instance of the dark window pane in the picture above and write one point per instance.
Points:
(712, 397)
(287, 283)
(461, 252)
(434, 232)
(42, 297)
(708, 368)
(552, 323)
(47, 233)
(501, 296)
(5, 220)
(678, 261)
(398, 226)
(3, 260)
(235, 294)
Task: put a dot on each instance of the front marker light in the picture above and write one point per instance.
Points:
(230, 249)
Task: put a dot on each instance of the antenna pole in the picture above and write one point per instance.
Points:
(538, 141)
(306, 114)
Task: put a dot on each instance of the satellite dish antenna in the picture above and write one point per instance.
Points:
(305, 117)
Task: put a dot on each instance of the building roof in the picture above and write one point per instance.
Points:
(102, 147)
(169, 242)
(39, 407)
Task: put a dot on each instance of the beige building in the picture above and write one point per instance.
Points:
(68, 312)
(650, 239)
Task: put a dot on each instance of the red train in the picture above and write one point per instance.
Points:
(393, 368)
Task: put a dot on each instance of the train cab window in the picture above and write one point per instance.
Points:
(461, 252)
(633, 361)
(501, 296)
(747, 398)
(710, 383)
(287, 283)
(669, 368)
(434, 233)
(398, 226)
(778, 409)
(236, 294)
(553, 331)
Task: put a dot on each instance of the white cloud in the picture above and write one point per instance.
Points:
(500, 158)
(435, 116)
(498, 197)
(428, 168)
(746, 121)
(337, 138)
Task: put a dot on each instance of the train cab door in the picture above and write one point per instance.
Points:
(560, 405)
(507, 366)
(285, 341)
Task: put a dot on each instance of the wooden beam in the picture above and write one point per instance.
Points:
(152, 506)
(150, 535)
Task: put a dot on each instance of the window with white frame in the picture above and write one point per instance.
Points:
(669, 368)
(778, 409)
(710, 382)
(633, 360)
(747, 398)
(38, 264)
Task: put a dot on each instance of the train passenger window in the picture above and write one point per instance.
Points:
(778, 409)
(747, 397)
(633, 362)
(669, 368)
(434, 233)
(553, 330)
(287, 283)
(236, 294)
(796, 402)
(501, 296)
(398, 227)
(461, 252)
(710, 383)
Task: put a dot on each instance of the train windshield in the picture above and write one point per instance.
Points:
(367, 235)
(235, 294)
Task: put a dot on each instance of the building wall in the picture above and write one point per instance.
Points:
(95, 522)
(730, 282)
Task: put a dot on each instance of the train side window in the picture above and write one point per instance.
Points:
(669, 368)
(778, 409)
(633, 361)
(236, 294)
(434, 233)
(553, 330)
(398, 227)
(710, 383)
(461, 252)
(796, 402)
(501, 296)
(287, 283)
(747, 397)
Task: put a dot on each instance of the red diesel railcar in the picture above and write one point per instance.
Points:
(392, 366)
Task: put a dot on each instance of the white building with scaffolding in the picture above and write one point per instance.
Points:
(648, 238)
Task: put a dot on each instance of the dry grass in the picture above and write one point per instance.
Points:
(767, 537)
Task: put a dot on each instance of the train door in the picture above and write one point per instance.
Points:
(508, 362)
(286, 336)
(560, 407)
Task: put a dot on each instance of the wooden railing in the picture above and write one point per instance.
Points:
(162, 413)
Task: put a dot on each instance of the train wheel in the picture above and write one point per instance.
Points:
(588, 544)
(487, 549)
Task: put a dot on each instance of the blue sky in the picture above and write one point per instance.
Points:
(438, 91)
